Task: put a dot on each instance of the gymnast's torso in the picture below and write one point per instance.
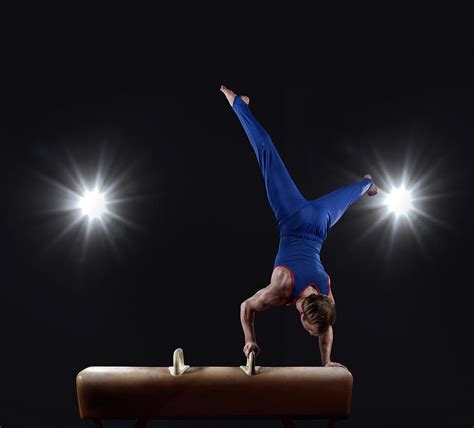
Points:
(301, 237)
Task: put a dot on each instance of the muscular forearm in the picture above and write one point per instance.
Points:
(325, 346)
(247, 317)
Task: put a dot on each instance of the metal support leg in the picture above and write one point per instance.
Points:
(141, 422)
(98, 423)
(287, 422)
(331, 423)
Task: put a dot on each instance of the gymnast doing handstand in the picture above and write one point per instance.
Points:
(298, 277)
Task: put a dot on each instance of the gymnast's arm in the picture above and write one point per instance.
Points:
(325, 344)
(263, 299)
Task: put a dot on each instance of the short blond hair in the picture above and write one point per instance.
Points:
(319, 311)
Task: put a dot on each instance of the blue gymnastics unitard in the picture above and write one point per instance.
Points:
(302, 224)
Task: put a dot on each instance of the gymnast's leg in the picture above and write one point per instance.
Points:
(283, 195)
(336, 203)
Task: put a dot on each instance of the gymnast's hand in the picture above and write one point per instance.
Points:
(251, 346)
(334, 364)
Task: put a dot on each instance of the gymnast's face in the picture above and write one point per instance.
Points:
(310, 328)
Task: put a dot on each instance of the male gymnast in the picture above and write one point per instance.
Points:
(298, 277)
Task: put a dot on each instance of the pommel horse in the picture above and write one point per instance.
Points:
(184, 392)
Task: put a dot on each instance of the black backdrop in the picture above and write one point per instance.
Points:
(343, 91)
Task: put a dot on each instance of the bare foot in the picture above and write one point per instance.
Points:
(230, 95)
(373, 189)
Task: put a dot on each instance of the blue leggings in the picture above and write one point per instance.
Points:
(315, 216)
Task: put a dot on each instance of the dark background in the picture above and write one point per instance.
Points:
(343, 91)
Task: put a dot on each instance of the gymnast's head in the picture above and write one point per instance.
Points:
(318, 314)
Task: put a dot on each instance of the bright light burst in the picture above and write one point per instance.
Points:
(406, 202)
(94, 207)
(399, 201)
(92, 204)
